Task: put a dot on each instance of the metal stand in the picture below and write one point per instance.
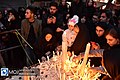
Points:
(17, 33)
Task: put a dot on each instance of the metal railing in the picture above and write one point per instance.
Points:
(13, 47)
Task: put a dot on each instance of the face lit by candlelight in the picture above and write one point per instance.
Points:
(99, 31)
(48, 37)
(111, 40)
(70, 27)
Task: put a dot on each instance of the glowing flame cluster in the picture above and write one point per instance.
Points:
(73, 71)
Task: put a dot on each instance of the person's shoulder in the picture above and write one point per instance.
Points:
(24, 20)
(67, 30)
(38, 21)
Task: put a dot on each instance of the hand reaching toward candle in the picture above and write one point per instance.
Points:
(95, 70)
(95, 45)
(78, 58)
(43, 59)
(69, 53)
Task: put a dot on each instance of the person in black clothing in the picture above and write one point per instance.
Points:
(101, 27)
(46, 44)
(31, 30)
(77, 8)
(54, 21)
(63, 8)
(91, 25)
(111, 56)
(99, 42)
(90, 9)
(81, 40)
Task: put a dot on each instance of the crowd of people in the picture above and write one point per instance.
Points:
(39, 32)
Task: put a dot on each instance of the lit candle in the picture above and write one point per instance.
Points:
(64, 37)
(60, 77)
(39, 61)
(72, 56)
(57, 53)
(53, 53)
(48, 58)
(26, 76)
(64, 54)
(69, 78)
(63, 77)
(85, 59)
(64, 49)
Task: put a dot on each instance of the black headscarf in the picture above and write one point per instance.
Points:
(81, 40)
(45, 46)
(111, 60)
(101, 40)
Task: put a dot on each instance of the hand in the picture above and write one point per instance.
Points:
(43, 59)
(79, 57)
(95, 45)
(47, 53)
(49, 20)
(59, 29)
(94, 70)
(69, 53)
(10, 18)
(54, 19)
(67, 16)
(75, 59)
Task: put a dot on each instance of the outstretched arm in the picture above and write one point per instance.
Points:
(93, 53)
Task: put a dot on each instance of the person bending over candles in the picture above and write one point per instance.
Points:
(77, 36)
(46, 44)
(110, 56)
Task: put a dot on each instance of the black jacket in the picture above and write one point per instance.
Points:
(81, 40)
(111, 61)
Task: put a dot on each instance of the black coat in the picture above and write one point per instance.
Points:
(43, 46)
(59, 21)
(111, 60)
(81, 40)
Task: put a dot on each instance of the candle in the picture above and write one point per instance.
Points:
(57, 53)
(60, 77)
(53, 53)
(72, 56)
(64, 49)
(26, 76)
(48, 58)
(63, 76)
(64, 53)
(69, 78)
(39, 61)
(85, 59)
(64, 37)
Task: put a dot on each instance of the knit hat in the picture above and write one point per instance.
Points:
(73, 20)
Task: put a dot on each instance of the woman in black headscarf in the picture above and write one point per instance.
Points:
(101, 27)
(111, 56)
(46, 44)
(99, 42)
(81, 39)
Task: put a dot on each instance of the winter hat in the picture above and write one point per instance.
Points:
(73, 20)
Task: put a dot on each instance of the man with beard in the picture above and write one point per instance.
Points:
(54, 21)
(31, 30)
